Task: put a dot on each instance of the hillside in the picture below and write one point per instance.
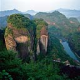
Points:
(59, 21)
(74, 42)
(74, 21)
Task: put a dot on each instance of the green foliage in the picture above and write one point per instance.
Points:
(12, 68)
(18, 20)
(8, 31)
(74, 21)
(74, 41)
(55, 48)
(40, 70)
(40, 23)
(5, 76)
(10, 64)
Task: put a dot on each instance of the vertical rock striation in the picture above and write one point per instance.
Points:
(42, 36)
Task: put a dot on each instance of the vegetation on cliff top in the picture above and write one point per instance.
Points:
(19, 21)
(40, 23)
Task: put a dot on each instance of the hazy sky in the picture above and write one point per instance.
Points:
(39, 5)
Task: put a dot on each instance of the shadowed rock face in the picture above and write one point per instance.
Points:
(44, 38)
(44, 41)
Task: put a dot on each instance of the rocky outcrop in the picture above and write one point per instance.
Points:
(21, 35)
(18, 40)
(42, 37)
(18, 37)
(10, 42)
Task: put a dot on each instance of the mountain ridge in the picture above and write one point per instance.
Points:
(9, 12)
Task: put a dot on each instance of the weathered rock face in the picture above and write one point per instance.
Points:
(10, 43)
(42, 37)
(19, 41)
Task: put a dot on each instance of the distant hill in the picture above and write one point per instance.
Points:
(3, 20)
(69, 13)
(9, 12)
(60, 22)
(28, 16)
(50, 18)
(31, 12)
(74, 21)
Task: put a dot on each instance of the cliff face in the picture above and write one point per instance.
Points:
(18, 40)
(18, 37)
(21, 37)
(42, 37)
(42, 42)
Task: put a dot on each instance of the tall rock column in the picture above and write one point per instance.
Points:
(44, 38)
(19, 35)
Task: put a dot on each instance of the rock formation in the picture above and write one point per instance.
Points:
(42, 37)
(21, 35)
(18, 36)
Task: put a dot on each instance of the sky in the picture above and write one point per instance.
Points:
(39, 5)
